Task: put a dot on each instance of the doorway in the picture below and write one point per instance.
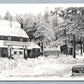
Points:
(29, 53)
(17, 54)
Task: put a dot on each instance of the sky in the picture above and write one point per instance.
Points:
(33, 8)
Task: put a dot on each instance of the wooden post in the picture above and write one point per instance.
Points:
(9, 52)
(23, 52)
(74, 54)
(26, 52)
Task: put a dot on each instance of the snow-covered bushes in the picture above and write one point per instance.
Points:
(41, 66)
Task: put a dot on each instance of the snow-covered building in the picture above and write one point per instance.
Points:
(14, 42)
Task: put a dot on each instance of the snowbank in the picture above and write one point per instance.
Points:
(42, 66)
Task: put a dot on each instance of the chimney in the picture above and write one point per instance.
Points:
(10, 23)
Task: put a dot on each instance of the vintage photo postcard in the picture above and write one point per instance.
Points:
(42, 42)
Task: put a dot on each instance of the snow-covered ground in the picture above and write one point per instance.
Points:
(51, 67)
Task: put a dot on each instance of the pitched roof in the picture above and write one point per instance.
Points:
(15, 30)
(32, 45)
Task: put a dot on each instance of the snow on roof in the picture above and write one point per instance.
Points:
(15, 30)
(7, 23)
(32, 45)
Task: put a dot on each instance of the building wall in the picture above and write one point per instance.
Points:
(35, 52)
(17, 53)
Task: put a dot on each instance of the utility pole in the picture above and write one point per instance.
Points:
(74, 44)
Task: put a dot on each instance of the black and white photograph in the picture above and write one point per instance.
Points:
(41, 41)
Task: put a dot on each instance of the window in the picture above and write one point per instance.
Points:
(15, 52)
(12, 38)
(21, 39)
(15, 38)
(25, 39)
(9, 38)
(20, 52)
(3, 38)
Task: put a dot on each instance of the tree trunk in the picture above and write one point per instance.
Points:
(74, 54)
(83, 44)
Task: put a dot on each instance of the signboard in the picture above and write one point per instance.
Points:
(13, 43)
